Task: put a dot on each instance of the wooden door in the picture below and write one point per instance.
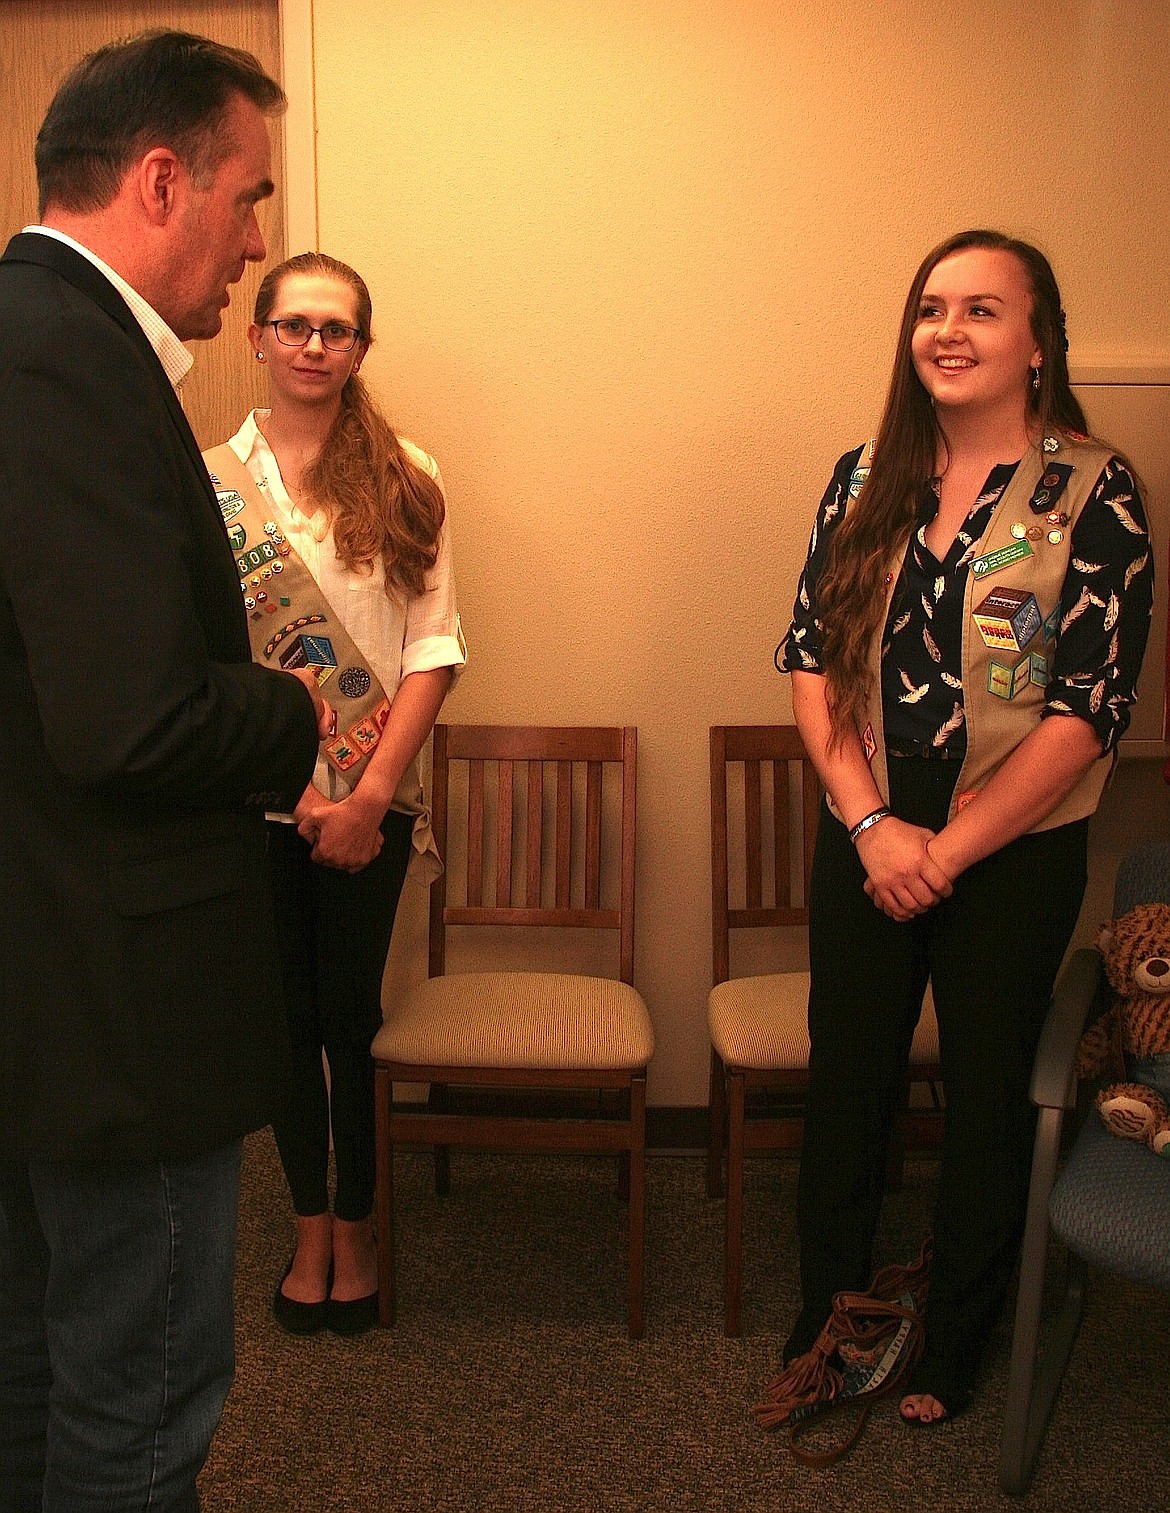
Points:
(40, 40)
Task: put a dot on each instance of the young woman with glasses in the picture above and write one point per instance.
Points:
(362, 510)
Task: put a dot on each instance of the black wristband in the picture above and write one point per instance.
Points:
(870, 819)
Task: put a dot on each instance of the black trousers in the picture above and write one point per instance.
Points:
(991, 952)
(334, 931)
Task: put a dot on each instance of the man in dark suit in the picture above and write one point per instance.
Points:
(139, 1010)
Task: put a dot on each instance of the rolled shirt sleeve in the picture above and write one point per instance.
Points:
(1106, 605)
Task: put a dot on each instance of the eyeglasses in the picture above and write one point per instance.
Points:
(297, 332)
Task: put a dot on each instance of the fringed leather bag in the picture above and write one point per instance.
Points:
(869, 1346)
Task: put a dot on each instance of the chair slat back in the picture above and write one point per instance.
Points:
(765, 800)
(563, 850)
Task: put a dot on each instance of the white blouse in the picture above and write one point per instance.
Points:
(397, 636)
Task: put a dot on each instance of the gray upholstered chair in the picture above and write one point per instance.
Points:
(521, 851)
(1110, 1204)
(765, 801)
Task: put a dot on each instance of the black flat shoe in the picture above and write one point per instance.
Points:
(299, 1318)
(352, 1317)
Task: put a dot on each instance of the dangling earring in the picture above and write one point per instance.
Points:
(1035, 376)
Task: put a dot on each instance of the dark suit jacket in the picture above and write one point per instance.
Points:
(140, 1010)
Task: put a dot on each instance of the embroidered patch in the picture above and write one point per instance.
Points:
(230, 504)
(381, 714)
(309, 651)
(291, 629)
(1008, 618)
(1004, 557)
(855, 482)
(237, 536)
(365, 735)
(1006, 681)
(1039, 670)
(341, 753)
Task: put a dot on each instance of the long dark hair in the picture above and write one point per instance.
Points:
(380, 503)
(851, 591)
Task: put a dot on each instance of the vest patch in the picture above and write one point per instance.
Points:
(1051, 486)
(230, 504)
(1008, 618)
(1005, 680)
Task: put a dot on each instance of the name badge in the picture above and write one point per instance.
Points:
(1004, 557)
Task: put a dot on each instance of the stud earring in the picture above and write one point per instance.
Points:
(259, 356)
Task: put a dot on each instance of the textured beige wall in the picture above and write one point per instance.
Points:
(636, 268)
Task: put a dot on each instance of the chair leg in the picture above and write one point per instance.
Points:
(717, 1120)
(636, 1304)
(1031, 1392)
(384, 1195)
(733, 1217)
(437, 1103)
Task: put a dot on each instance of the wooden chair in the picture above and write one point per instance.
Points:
(526, 853)
(765, 802)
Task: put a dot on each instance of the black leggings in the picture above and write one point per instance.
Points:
(334, 931)
(991, 952)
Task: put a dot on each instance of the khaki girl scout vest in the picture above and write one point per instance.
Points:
(291, 624)
(1012, 615)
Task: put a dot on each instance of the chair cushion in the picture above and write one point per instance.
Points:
(518, 1020)
(762, 1023)
(1111, 1204)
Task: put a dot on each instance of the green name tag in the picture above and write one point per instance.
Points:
(1006, 555)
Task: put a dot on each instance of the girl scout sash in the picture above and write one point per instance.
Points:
(291, 623)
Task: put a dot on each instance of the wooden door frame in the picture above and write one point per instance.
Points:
(299, 176)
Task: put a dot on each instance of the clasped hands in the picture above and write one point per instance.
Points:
(902, 877)
(344, 833)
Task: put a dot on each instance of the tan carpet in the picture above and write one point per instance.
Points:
(509, 1385)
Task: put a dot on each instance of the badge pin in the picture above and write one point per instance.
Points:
(1050, 487)
(353, 682)
(1051, 444)
(1019, 530)
(1034, 533)
(1056, 537)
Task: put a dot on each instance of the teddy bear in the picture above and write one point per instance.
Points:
(1136, 951)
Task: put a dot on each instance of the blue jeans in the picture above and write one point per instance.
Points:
(116, 1330)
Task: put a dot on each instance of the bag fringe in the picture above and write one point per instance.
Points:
(859, 1325)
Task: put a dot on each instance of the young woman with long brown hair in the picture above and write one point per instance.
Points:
(965, 644)
(344, 554)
